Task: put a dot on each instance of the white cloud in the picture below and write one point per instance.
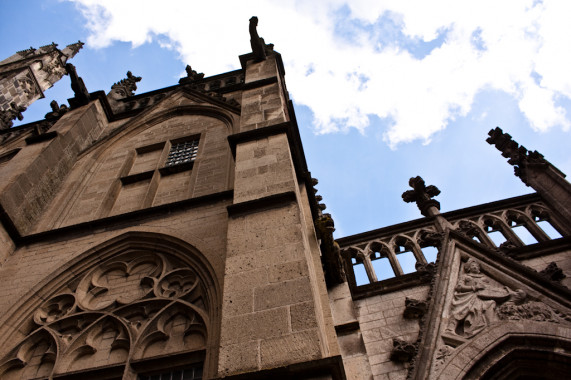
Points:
(344, 78)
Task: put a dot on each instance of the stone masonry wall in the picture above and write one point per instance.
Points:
(381, 319)
(31, 180)
(94, 188)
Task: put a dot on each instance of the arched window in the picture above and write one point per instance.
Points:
(406, 252)
(384, 263)
(141, 308)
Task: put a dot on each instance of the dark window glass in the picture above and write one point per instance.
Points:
(182, 153)
(189, 373)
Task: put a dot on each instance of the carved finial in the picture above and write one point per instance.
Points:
(517, 155)
(125, 87)
(13, 113)
(422, 195)
(259, 47)
(57, 110)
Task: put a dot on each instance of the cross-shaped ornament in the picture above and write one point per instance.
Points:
(422, 195)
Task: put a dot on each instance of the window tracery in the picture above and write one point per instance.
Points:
(132, 307)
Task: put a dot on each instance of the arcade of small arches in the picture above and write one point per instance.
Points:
(397, 255)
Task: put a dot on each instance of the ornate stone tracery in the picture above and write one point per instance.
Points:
(133, 306)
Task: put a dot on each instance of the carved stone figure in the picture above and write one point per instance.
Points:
(414, 309)
(474, 303)
(332, 261)
(552, 272)
(191, 75)
(403, 351)
(57, 110)
(518, 307)
(77, 85)
(6, 117)
(259, 47)
(125, 87)
(426, 271)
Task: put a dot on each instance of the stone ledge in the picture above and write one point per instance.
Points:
(258, 83)
(110, 221)
(347, 327)
(387, 286)
(274, 200)
(41, 137)
(331, 367)
(256, 134)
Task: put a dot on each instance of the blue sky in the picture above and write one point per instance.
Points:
(383, 90)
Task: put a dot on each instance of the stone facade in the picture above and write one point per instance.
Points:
(178, 234)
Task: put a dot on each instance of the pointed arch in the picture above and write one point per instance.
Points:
(489, 355)
(168, 270)
(116, 154)
(105, 342)
(472, 229)
(34, 357)
(149, 119)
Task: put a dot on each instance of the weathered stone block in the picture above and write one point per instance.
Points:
(293, 348)
(303, 316)
(283, 293)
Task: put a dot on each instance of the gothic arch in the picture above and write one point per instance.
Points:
(93, 160)
(496, 352)
(472, 229)
(145, 121)
(103, 302)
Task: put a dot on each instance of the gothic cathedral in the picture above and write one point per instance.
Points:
(177, 234)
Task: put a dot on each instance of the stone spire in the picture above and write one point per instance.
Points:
(517, 155)
(27, 74)
(536, 172)
(71, 50)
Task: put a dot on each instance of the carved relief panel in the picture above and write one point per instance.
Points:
(480, 299)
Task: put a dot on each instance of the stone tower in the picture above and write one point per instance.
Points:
(177, 234)
(27, 74)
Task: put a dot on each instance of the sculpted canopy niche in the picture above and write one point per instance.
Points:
(131, 301)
